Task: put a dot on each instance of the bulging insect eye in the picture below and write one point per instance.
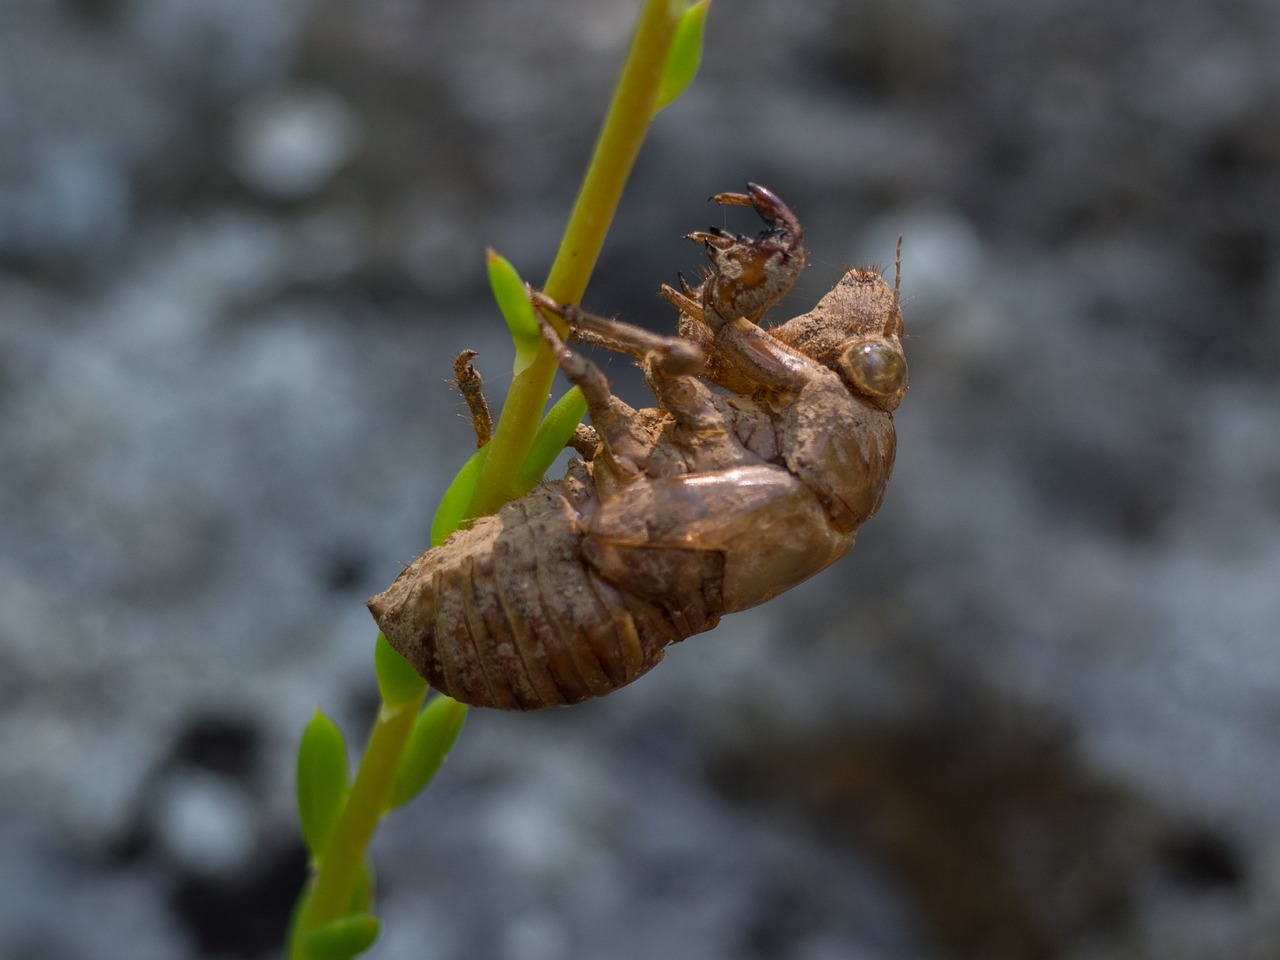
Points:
(875, 368)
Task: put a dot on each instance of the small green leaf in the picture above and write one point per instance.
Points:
(453, 507)
(342, 939)
(322, 780)
(553, 433)
(513, 300)
(398, 682)
(685, 56)
(433, 733)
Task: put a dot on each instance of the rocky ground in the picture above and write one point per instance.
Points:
(1035, 713)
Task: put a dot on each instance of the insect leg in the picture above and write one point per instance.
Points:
(670, 364)
(624, 440)
(761, 358)
(585, 441)
(750, 274)
(692, 325)
(687, 299)
(672, 355)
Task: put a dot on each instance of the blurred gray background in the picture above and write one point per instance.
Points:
(1035, 715)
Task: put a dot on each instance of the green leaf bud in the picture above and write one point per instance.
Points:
(322, 780)
(452, 513)
(398, 682)
(553, 433)
(433, 734)
(685, 56)
(513, 300)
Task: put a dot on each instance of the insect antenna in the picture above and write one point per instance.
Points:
(897, 274)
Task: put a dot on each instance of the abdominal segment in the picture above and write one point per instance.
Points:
(513, 614)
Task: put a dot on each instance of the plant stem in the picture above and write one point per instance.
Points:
(339, 868)
(620, 138)
(624, 129)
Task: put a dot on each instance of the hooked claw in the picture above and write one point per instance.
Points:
(750, 275)
(771, 209)
(715, 237)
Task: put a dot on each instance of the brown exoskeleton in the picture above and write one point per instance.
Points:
(708, 504)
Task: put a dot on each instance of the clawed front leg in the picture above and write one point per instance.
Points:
(748, 276)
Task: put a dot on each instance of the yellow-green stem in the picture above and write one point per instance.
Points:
(623, 132)
(340, 866)
(615, 153)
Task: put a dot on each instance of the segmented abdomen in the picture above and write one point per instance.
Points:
(508, 614)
